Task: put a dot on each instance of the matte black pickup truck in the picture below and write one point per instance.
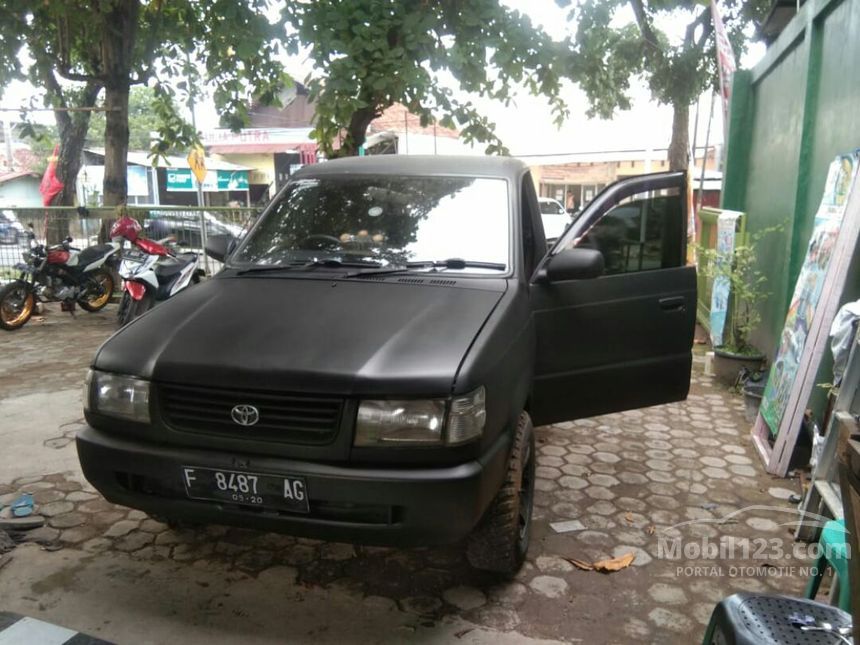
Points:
(368, 365)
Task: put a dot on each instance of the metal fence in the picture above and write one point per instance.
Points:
(185, 226)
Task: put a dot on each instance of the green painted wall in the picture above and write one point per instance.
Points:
(791, 114)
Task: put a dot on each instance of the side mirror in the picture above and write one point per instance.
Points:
(573, 264)
(218, 247)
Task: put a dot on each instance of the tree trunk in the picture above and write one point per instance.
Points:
(116, 144)
(72, 128)
(117, 45)
(356, 132)
(680, 145)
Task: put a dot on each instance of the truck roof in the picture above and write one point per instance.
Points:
(442, 165)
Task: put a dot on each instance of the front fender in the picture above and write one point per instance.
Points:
(135, 289)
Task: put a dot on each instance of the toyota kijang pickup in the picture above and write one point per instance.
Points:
(370, 362)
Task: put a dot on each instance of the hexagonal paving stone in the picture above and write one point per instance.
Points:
(603, 480)
(464, 598)
(660, 476)
(716, 473)
(666, 594)
(632, 478)
(545, 485)
(578, 459)
(572, 482)
(761, 524)
(641, 558)
(671, 620)
(500, 618)
(67, 520)
(56, 508)
(740, 469)
(555, 462)
(552, 564)
(553, 451)
(602, 508)
(607, 457)
(549, 586)
(599, 492)
(508, 593)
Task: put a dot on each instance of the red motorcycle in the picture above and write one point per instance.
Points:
(58, 274)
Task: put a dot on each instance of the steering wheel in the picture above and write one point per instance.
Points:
(319, 237)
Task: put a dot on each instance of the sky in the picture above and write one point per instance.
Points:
(526, 125)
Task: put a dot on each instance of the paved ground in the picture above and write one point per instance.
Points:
(608, 486)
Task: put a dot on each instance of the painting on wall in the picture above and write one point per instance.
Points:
(807, 291)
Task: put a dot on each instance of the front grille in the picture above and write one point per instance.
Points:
(287, 418)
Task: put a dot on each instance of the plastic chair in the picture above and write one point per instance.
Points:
(834, 552)
(759, 619)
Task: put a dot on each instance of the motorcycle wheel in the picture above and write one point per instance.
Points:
(102, 283)
(17, 303)
(129, 308)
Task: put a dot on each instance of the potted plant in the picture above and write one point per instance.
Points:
(739, 270)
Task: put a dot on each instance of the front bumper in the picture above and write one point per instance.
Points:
(381, 506)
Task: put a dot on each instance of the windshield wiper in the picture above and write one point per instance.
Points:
(298, 266)
(430, 265)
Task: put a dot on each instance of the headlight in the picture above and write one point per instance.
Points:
(421, 422)
(113, 395)
(400, 422)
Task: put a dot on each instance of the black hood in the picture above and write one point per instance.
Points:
(307, 335)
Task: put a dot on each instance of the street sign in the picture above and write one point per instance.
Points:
(197, 161)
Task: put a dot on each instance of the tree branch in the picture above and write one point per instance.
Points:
(148, 70)
(648, 34)
(707, 25)
(82, 78)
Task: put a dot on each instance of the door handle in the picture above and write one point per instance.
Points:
(676, 303)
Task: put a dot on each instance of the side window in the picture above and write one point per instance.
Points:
(643, 232)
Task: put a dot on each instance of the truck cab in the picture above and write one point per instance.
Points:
(370, 362)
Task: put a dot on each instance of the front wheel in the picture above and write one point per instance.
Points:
(17, 303)
(129, 308)
(500, 541)
(99, 289)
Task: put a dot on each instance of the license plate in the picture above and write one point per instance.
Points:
(248, 489)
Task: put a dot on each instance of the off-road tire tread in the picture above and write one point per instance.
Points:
(492, 545)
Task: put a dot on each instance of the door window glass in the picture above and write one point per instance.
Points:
(643, 232)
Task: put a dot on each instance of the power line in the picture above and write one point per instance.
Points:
(60, 109)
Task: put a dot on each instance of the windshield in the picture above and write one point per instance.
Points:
(384, 220)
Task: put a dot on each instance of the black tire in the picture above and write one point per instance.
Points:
(500, 541)
(129, 308)
(17, 304)
(101, 283)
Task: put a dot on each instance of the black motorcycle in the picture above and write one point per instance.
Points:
(58, 274)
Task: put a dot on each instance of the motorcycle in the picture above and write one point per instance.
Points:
(58, 273)
(151, 271)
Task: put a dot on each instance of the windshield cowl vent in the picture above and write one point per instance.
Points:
(411, 280)
(443, 283)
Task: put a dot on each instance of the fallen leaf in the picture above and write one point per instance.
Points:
(650, 529)
(615, 564)
(628, 516)
(579, 564)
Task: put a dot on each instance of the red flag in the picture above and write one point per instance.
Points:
(725, 59)
(50, 185)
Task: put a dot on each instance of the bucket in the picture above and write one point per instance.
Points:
(753, 393)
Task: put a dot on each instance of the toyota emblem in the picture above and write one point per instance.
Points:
(245, 415)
